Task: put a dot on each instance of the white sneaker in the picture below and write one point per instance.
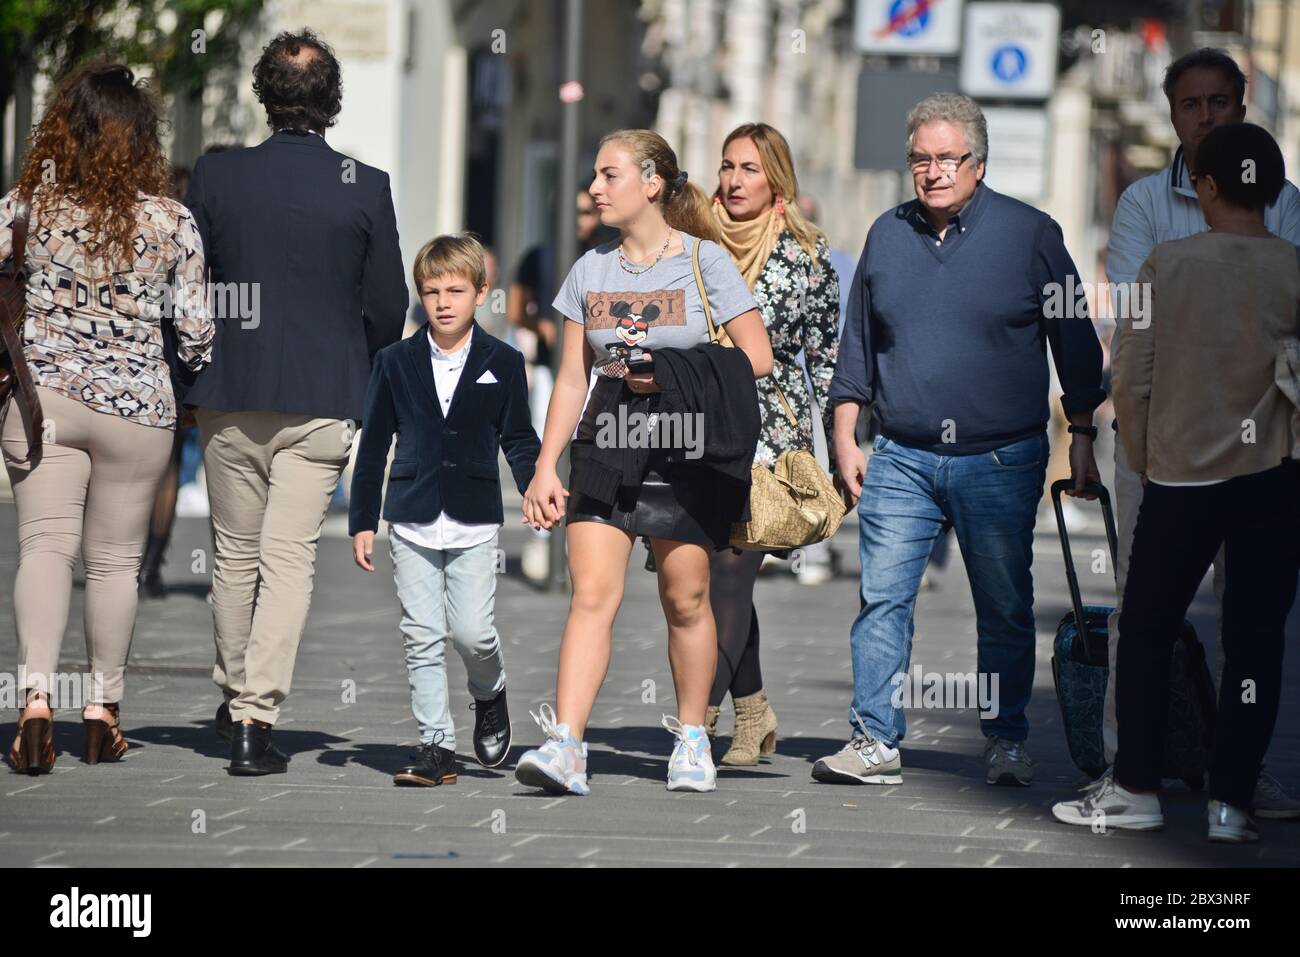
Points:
(1230, 825)
(192, 501)
(560, 764)
(691, 766)
(1106, 804)
(536, 557)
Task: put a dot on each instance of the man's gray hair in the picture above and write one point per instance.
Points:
(959, 110)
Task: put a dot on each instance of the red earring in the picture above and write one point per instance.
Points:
(780, 206)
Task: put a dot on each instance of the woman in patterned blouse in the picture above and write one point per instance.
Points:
(786, 261)
(108, 258)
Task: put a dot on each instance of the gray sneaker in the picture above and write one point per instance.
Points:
(1272, 802)
(1230, 825)
(859, 762)
(1007, 762)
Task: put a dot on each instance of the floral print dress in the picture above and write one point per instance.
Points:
(799, 298)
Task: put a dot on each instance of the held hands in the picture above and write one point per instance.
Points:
(363, 546)
(544, 500)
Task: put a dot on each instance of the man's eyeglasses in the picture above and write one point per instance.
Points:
(946, 164)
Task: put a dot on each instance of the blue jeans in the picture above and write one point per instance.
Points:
(991, 501)
(447, 592)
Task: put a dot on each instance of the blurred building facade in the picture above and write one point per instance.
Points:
(458, 100)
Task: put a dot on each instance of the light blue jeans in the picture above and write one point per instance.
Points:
(909, 497)
(447, 592)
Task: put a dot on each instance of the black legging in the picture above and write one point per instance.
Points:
(731, 592)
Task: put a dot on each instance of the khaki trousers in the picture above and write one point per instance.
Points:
(270, 478)
(90, 492)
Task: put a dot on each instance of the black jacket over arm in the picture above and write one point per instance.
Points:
(442, 463)
(310, 237)
(711, 380)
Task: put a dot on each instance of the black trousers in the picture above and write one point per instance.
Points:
(1179, 529)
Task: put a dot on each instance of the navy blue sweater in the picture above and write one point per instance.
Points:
(948, 339)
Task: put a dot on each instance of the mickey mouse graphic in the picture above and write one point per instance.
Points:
(632, 329)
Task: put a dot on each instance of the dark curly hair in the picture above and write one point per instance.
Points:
(97, 147)
(298, 80)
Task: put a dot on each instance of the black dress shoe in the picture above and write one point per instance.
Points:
(433, 766)
(252, 753)
(225, 726)
(491, 730)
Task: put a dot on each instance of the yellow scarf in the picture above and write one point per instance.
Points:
(750, 242)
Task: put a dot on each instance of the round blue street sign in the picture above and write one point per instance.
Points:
(914, 14)
(1009, 63)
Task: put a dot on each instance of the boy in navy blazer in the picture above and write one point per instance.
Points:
(453, 395)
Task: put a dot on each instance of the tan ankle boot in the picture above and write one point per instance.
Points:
(711, 722)
(755, 731)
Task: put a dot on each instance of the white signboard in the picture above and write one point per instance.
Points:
(1009, 50)
(1018, 143)
(908, 26)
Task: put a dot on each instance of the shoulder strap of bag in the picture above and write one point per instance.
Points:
(22, 218)
(24, 389)
(713, 329)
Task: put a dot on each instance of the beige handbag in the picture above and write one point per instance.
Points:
(793, 504)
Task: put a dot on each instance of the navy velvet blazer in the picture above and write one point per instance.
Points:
(319, 250)
(442, 463)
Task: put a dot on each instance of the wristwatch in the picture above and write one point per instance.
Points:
(1089, 430)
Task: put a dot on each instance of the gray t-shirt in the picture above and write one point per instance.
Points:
(660, 308)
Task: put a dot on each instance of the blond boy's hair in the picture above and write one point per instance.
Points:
(457, 254)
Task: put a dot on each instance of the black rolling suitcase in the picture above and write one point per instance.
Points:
(1080, 670)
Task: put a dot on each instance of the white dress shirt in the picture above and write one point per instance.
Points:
(445, 531)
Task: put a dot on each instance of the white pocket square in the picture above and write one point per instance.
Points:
(487, 378)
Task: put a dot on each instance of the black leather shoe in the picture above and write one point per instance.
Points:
(435, 765)
(491, 730)
(252, 753)
(225, 726)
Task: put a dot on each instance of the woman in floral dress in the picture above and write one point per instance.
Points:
(786, 261)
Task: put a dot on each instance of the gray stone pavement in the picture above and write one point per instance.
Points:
(171, 802)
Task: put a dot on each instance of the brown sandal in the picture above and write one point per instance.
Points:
(33, 747)
(104, 741)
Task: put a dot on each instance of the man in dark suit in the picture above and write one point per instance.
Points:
(307, 285)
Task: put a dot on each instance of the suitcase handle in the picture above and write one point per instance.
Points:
(1062, 485)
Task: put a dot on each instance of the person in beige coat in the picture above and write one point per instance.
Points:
(1212, 437)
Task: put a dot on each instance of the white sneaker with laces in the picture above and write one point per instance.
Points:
(559, 766)
(1106, 804)
(690, 768)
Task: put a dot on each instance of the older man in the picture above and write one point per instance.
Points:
(946, 334)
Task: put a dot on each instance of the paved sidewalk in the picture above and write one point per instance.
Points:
(172, 804)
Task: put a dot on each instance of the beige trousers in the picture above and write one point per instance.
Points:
(90, 493)
(270, 477)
